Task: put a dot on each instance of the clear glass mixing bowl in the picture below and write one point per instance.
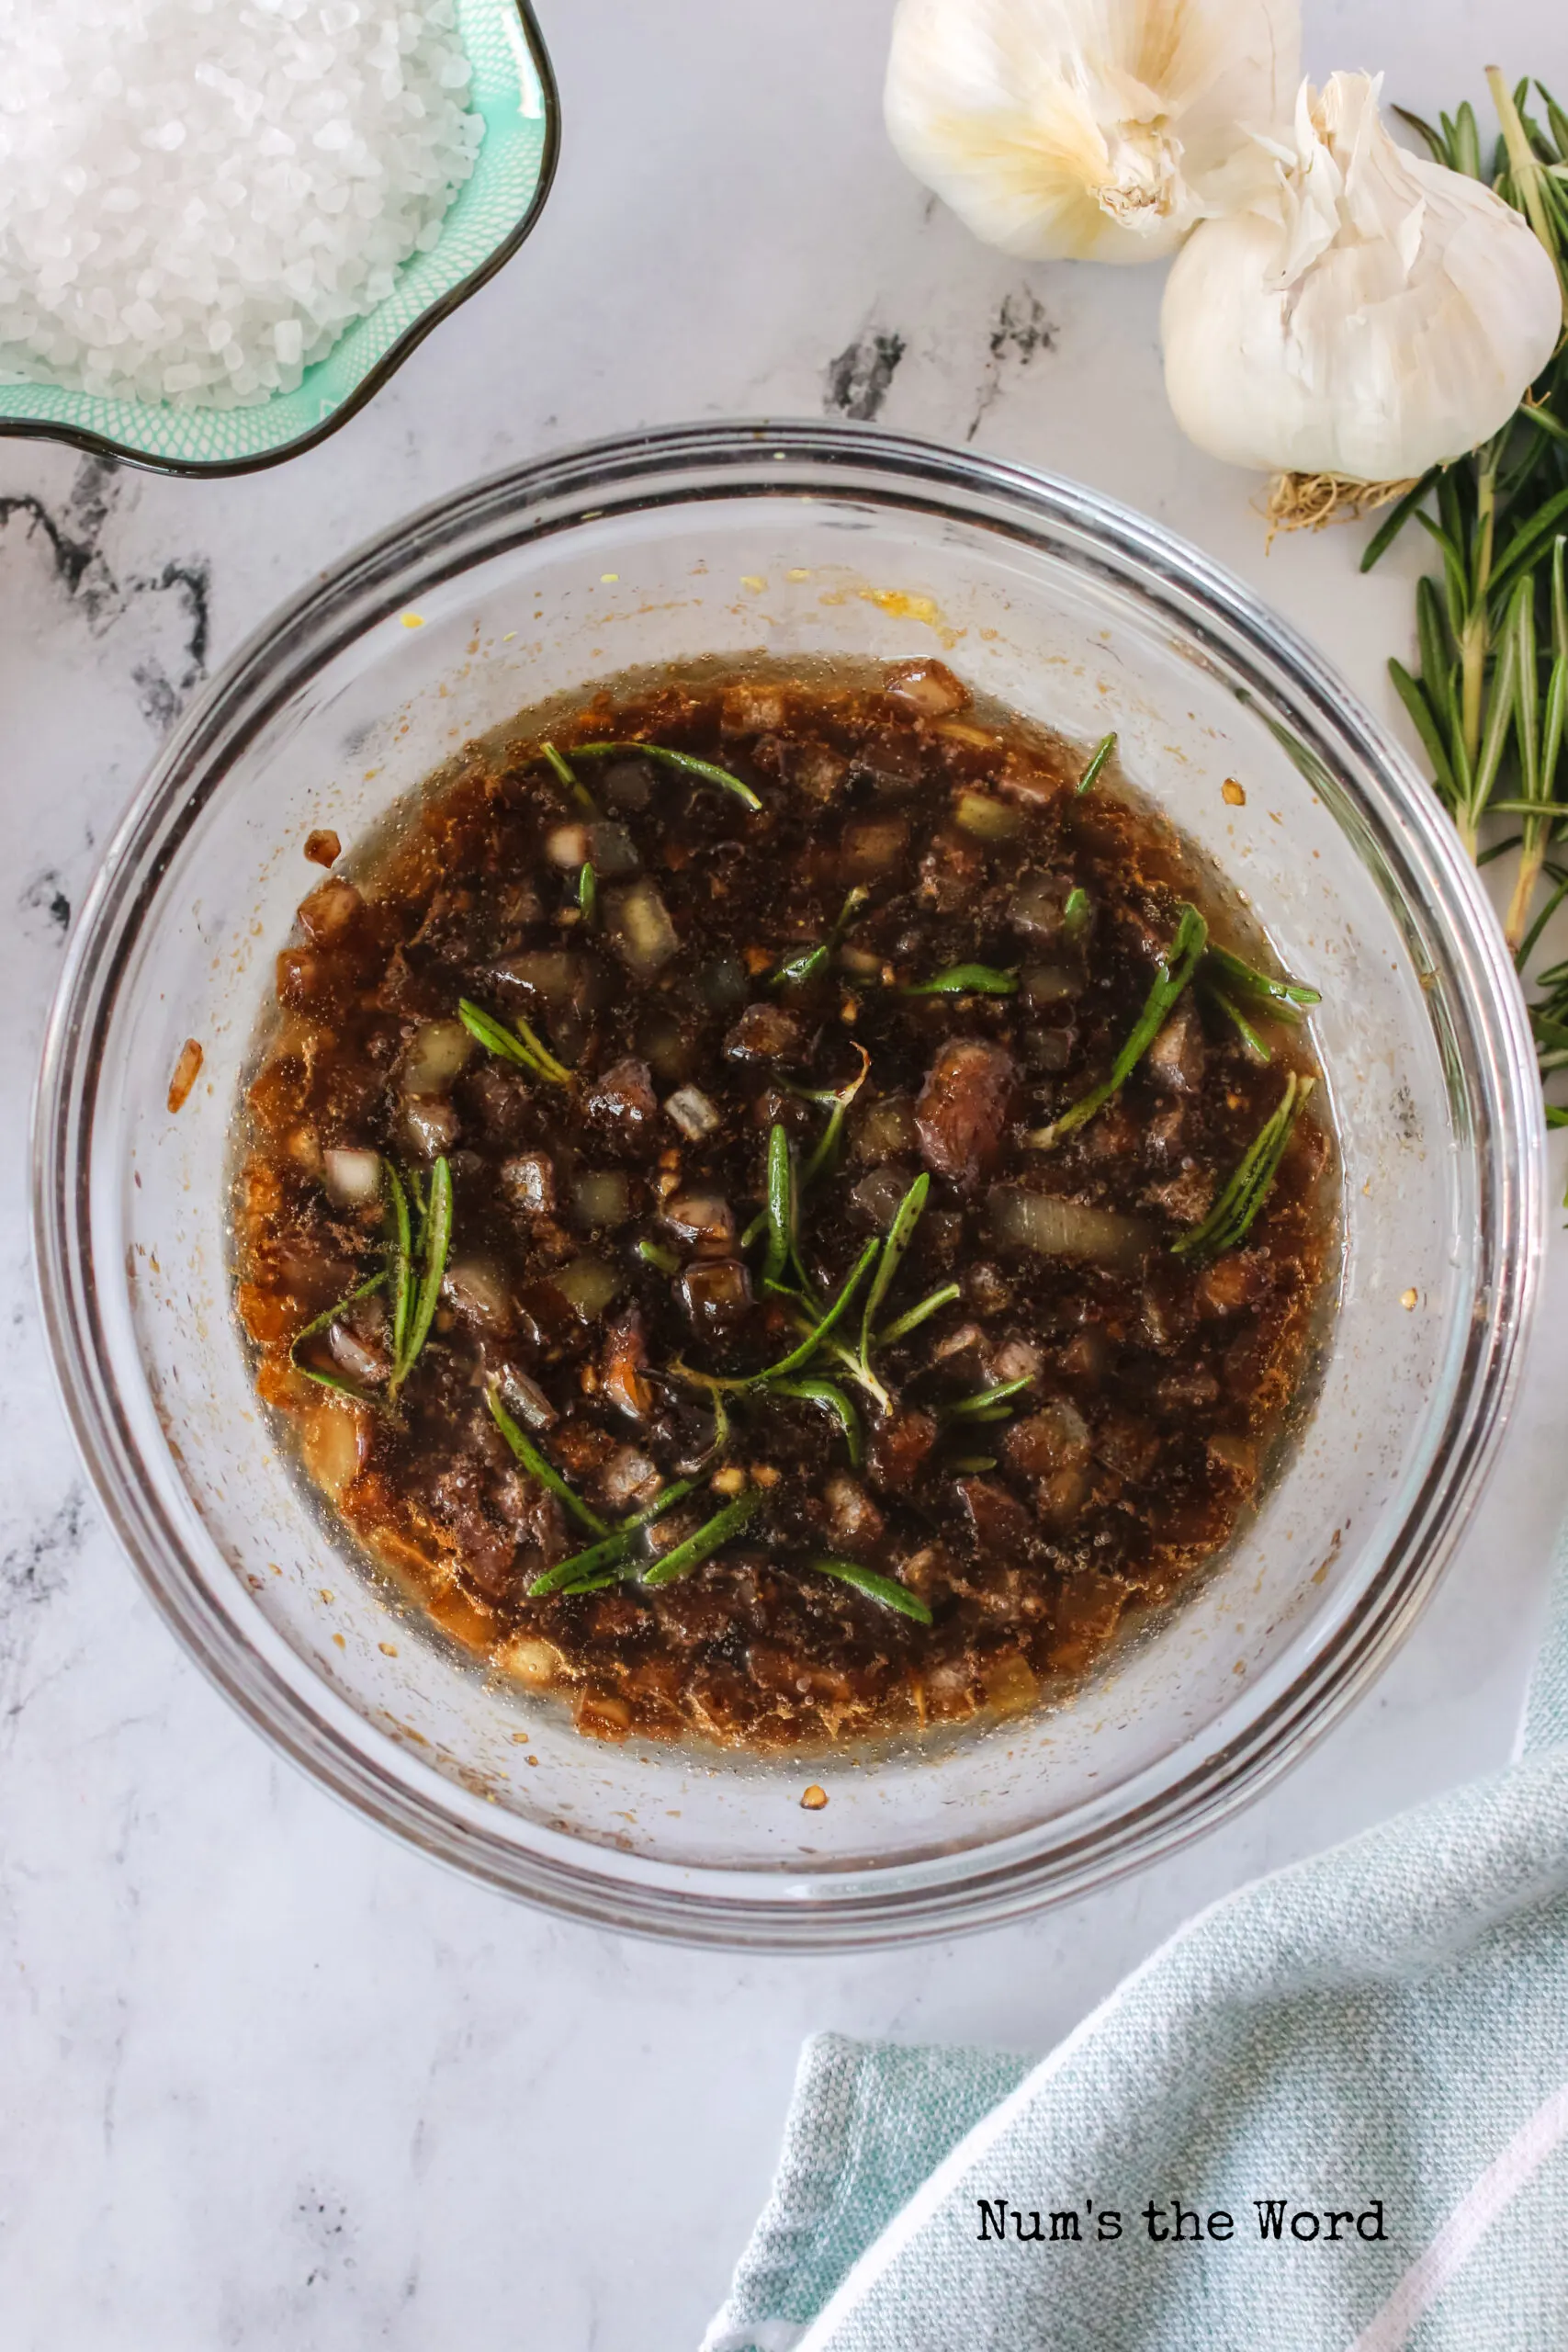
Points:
(735, 539)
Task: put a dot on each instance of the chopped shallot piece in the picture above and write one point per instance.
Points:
(322, 848)
(529, 1183)
(601, 1196)
(638, 924)
(704, 1220)
(628, 1479)
(928, 687)
(361, 1359)
(439, 1052)
(624, 1362)
(525, 1399)
(476, 1289)
(328, 910)
(432, 1124)
(716, 1293)
(566, 845)
(625, 1095)
(962, 1108)
(692, 1113)
(853, 1517)
(765, 1033)
(352, 1178)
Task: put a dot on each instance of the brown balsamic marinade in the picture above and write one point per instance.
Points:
(537, 1074)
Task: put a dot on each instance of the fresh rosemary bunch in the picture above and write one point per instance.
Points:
(1490, 697)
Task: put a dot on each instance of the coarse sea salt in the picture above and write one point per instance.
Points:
(196, 199)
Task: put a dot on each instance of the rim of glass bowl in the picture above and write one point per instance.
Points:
(374, 378)
(1447, 925)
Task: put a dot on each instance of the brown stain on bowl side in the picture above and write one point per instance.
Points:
(187, 1069)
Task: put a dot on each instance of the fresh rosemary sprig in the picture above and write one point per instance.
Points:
(685, 762)
(807, 962)
(437, 1241)
(1177, 968)
(1248, 1034)
(538, 1467)
(1229, 1221)
(413, 1300)
(780, 1208)
(1281, 1000)
(921, 1312)
(709, 1538)
(582, 1571)
(987, 1404)
(1101, 752)
(887, 1589)
(825, 1156)
(573, 782)
(894, 1243)
(528, 1051)
(1489, 694)
(818, 1330)
(833, 1400)
(965, 979)
(322, 1323)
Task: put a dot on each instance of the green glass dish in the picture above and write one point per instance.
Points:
(514, 90)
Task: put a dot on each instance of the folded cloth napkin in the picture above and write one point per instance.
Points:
(1362, 2061)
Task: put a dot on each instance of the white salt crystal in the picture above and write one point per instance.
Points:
(162, 238)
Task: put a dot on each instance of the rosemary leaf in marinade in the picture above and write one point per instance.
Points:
(1285, 999)
(808, 962)
(1230, 1220)
(833, 1400)
(965, 979)
(323, 1323)
(901, 1233)
(437, 1241)
(703, 770)
(710, 1537)
(887, 1589)
(1098, 758)
(538, 1468)
(517, 1045)
(581, 1572)
(1177, 968)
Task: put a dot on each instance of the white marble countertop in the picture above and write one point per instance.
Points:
(269, 2079)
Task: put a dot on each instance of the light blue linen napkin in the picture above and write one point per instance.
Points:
(1363, 2061)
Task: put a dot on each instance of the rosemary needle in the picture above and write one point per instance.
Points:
(1230, 1219)
(886, 1589)
(538, 1467)
(1098, 758)
(527, 1050)
(1177, 968)
(707, 1540)
(688, 764)
(965, 979)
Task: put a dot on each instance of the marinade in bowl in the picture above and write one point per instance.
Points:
(777, 1210)
(1316, 854)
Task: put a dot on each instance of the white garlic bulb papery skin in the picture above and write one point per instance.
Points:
(1085, 130)
(1377, 314)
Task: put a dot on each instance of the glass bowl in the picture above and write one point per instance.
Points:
(514, 90)
(791, 540)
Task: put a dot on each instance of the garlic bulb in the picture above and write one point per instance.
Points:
(1373, 315)
(1090, 129)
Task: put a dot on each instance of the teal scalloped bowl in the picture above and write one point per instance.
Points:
(514, 90)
